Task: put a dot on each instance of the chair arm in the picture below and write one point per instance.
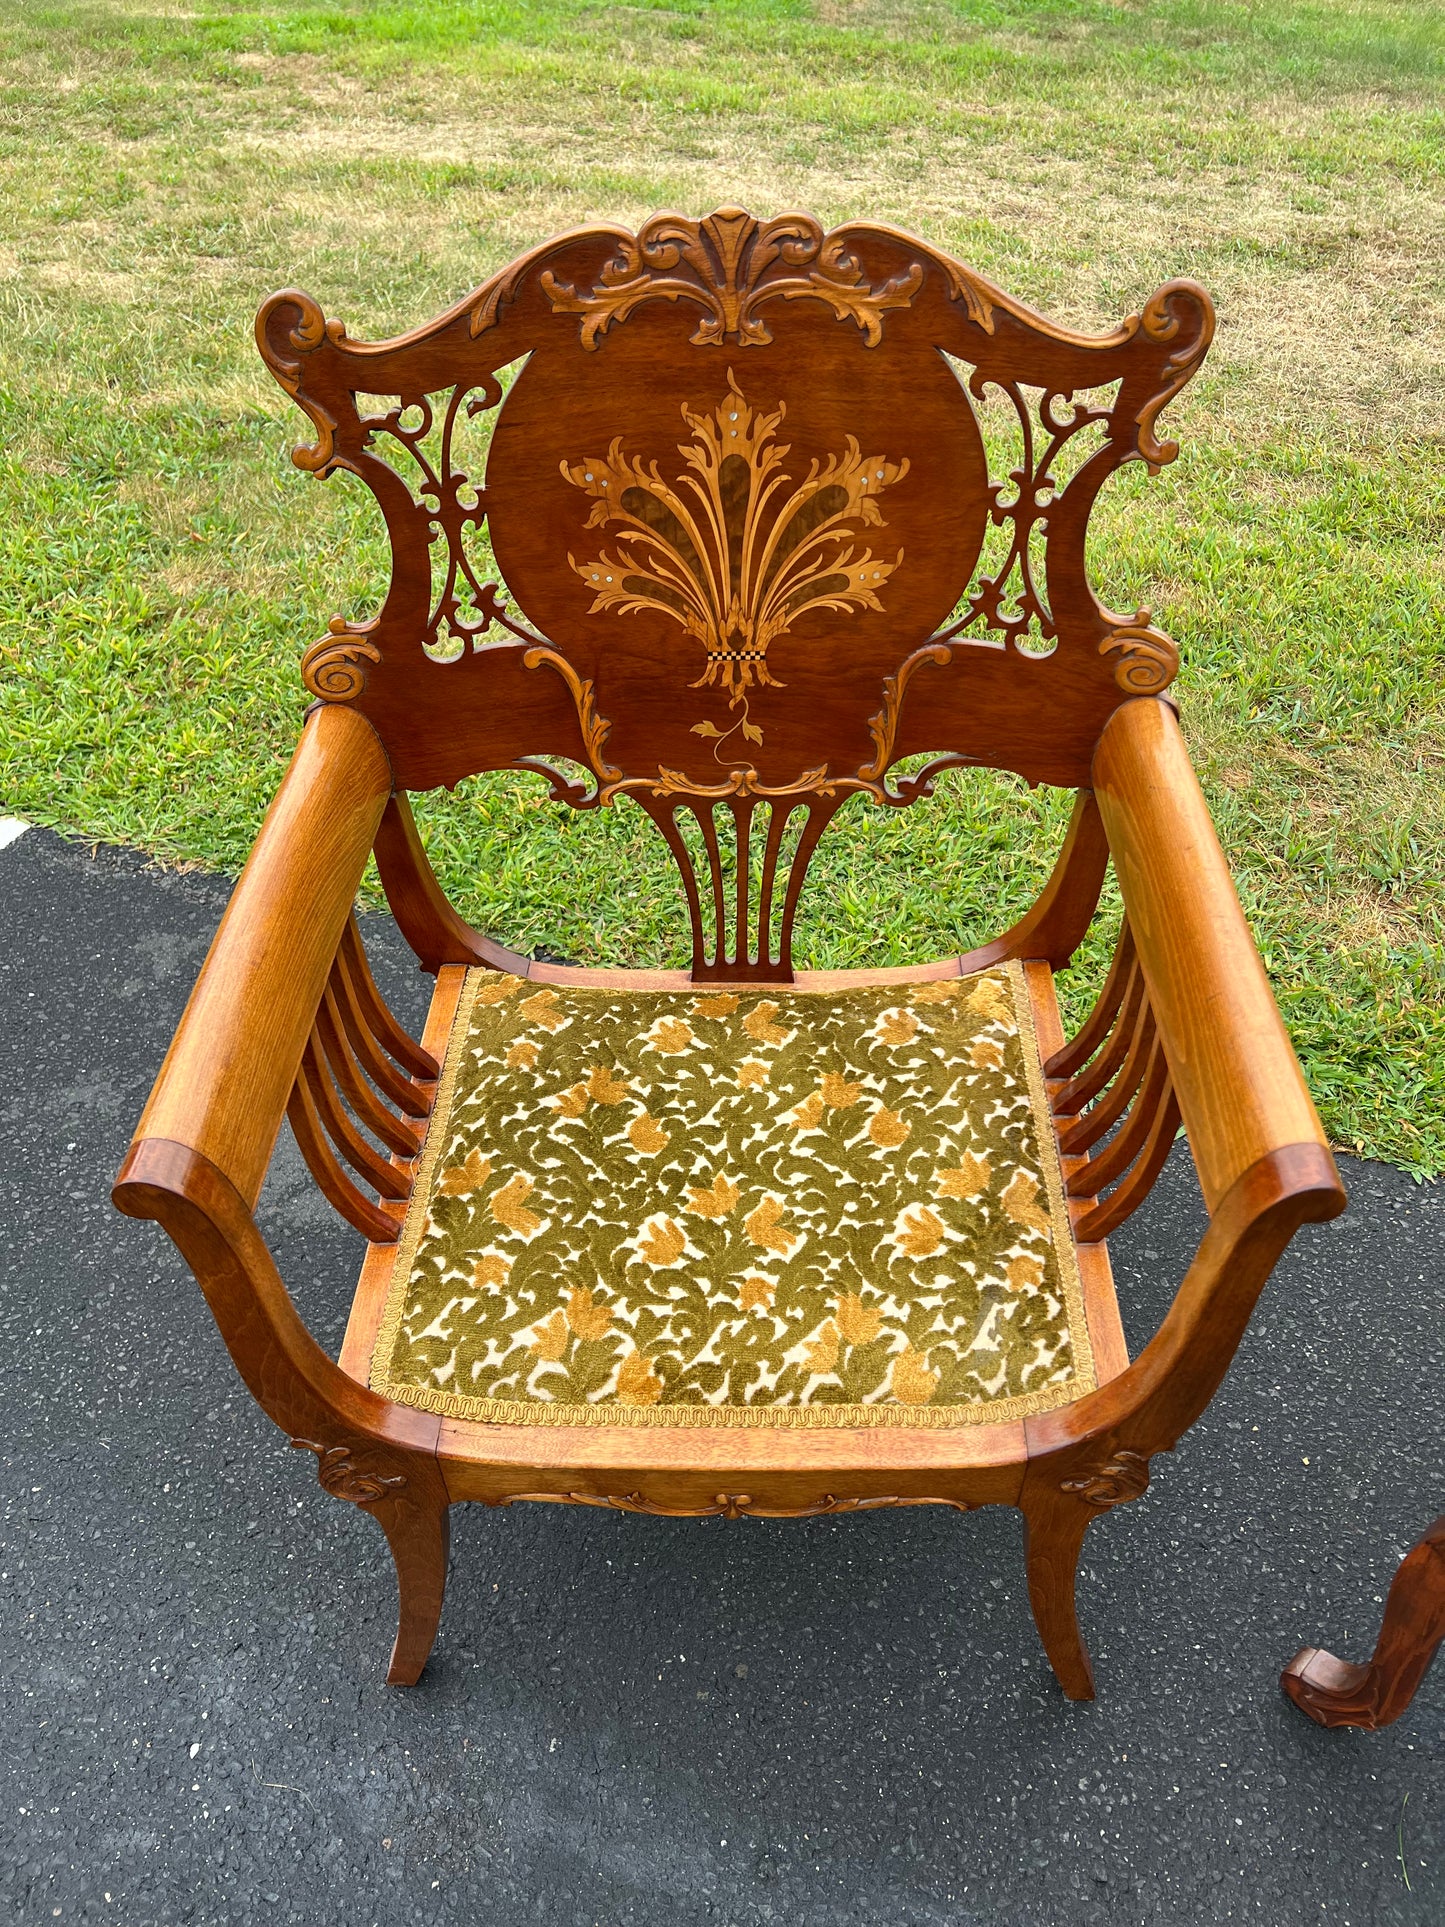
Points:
(223, 1087)
(1234, 1070)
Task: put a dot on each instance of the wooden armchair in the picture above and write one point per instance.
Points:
(735, 1239)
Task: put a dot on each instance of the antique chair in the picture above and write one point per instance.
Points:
(1335, 1692)
(735, 1239)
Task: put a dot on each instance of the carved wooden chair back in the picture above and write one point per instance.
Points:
(732, 476)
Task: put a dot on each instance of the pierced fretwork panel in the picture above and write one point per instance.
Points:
(434, 447)
(742, 860)
(1038, 442)
(799, 481)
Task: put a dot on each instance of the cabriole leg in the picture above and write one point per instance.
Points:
(412, 1508)
(1057, 1511)
(1054, 1528)
(419, 1534)
(1335, 1693)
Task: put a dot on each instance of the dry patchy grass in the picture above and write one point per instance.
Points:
(163, 168)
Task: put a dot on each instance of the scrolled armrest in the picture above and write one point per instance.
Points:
(223, 1087)
(1238, 1082)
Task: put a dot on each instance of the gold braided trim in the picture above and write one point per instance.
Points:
(1066, 1256)
(434, 1145)
(856, 1418)
(920, 1418)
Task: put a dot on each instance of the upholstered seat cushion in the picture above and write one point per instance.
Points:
(738, 1207)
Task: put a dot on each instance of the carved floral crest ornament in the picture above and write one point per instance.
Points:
(724, 265)
(736, 547)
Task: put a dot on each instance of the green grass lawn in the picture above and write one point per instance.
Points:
(162, 565)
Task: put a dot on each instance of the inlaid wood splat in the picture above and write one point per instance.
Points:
(689, 508)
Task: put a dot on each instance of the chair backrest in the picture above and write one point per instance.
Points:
(733, 481)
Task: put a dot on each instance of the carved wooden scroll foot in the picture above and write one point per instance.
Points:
(1335, 1693)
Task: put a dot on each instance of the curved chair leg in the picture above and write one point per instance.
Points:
(1054, 1528)
(419, 1534)
(1335, 1693)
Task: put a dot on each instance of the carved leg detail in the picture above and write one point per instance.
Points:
(1335, 1693)
(419, 1534)
(1056, 1513)
(1054, 1528)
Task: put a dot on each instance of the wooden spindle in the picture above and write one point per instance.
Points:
(369, 1219)
(391, 1082)
(1078, 1134)
(1100, 1021)
(1120, 1152)
(397, 1135)
(405, 1049)
(364, 1158)
(1104, 1066)
(1104, 1219)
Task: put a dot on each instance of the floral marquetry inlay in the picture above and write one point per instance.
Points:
(736, 547)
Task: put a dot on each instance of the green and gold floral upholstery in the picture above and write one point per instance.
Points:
(741, 1207)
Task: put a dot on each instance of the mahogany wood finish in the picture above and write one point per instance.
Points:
(784, 552)
(1335, 1693)
(428, 922)
(742, 640)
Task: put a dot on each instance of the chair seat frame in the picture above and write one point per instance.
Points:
(203, 1145)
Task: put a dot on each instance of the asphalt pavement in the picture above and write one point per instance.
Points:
(829, 1723)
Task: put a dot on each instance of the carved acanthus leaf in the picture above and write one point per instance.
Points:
(1160, 322)
(340, 1475)
(1123, 1475)
(883, 728)
(728, 264)
(972, 290)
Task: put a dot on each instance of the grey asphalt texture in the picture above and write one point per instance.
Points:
(631, 1720)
